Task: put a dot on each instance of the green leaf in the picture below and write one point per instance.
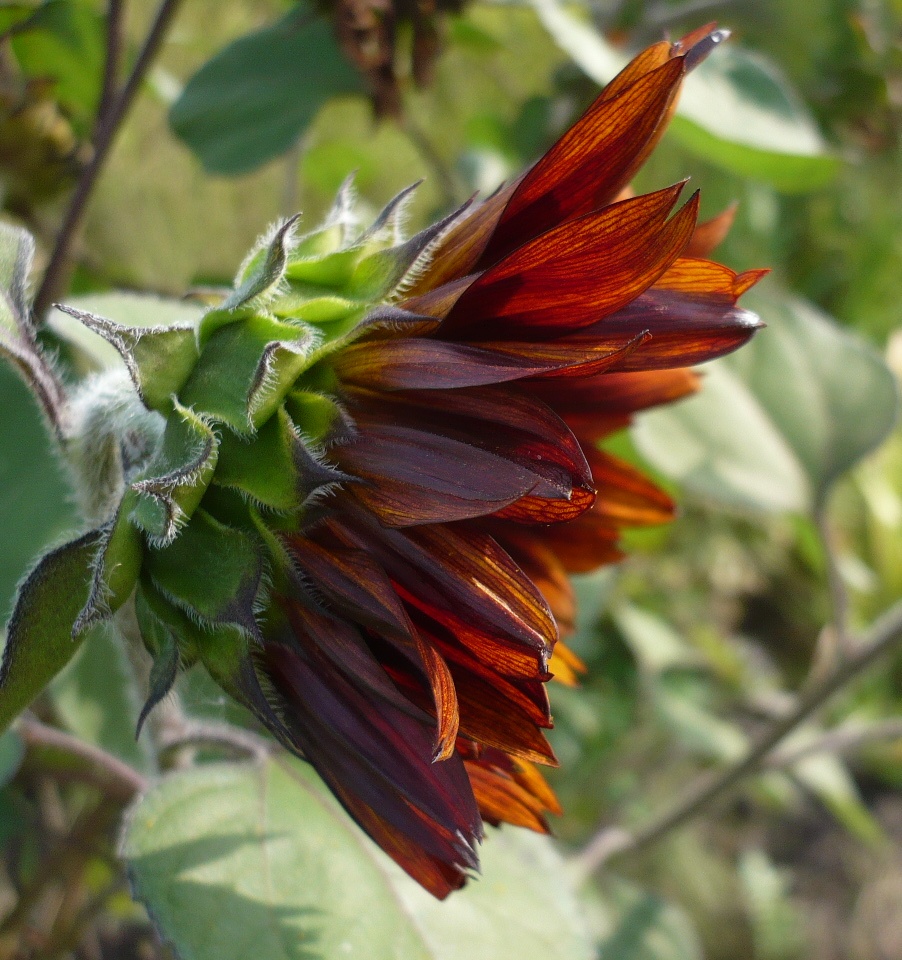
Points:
(39, 635)
(776, 424)
(738, 111)
(13, 14)
(721, 446)
(634, 924)
(35, 505)
(828, 391)
(65, 41)
(253, 100)
(735, 110)
(97, 699)
(12, 750)
(238, 861)
(93, 350)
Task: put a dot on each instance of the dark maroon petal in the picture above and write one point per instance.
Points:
(416, 477)
(438, 876)
(351, 580)
(574, 274)
(502, 420)
(383, 757)
(420, 364)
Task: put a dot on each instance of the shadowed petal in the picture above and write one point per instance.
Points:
(625, 495)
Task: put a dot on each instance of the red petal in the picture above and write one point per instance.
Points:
(587, 543)
(544, 569)
(593, 160)
(574, 274)
(461, 569)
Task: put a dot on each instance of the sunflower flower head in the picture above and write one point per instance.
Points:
(359, 484)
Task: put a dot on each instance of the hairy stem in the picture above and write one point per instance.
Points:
(609, 843)
(107, 127)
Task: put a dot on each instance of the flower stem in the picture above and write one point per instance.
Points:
(609, 843)
(108, 124)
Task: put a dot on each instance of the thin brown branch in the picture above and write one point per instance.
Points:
(114, 44)
(117, 779)
(609, 843)
(840, 740)
(107, 128)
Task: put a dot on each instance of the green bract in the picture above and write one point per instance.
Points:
(191, 461)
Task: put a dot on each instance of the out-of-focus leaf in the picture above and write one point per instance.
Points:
(829, 392)
(129, 309)
(738, 111)
(97, 700)
(39, 639)
(778, 422)
(11, 752)
(633, 924)
(655, 644)
(735, 110)
(253, 100)
(721, 446)
(65, 41)
(237, 861)
(13, 14)
(777, 925)
(696, 728)
(828, 778)
(34, 499)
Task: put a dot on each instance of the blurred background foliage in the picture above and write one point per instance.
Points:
(713, 626)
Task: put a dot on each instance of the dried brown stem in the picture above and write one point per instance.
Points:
(609, 843)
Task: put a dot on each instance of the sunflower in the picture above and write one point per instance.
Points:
(355, 491)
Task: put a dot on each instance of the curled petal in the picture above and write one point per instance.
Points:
(626, 496)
